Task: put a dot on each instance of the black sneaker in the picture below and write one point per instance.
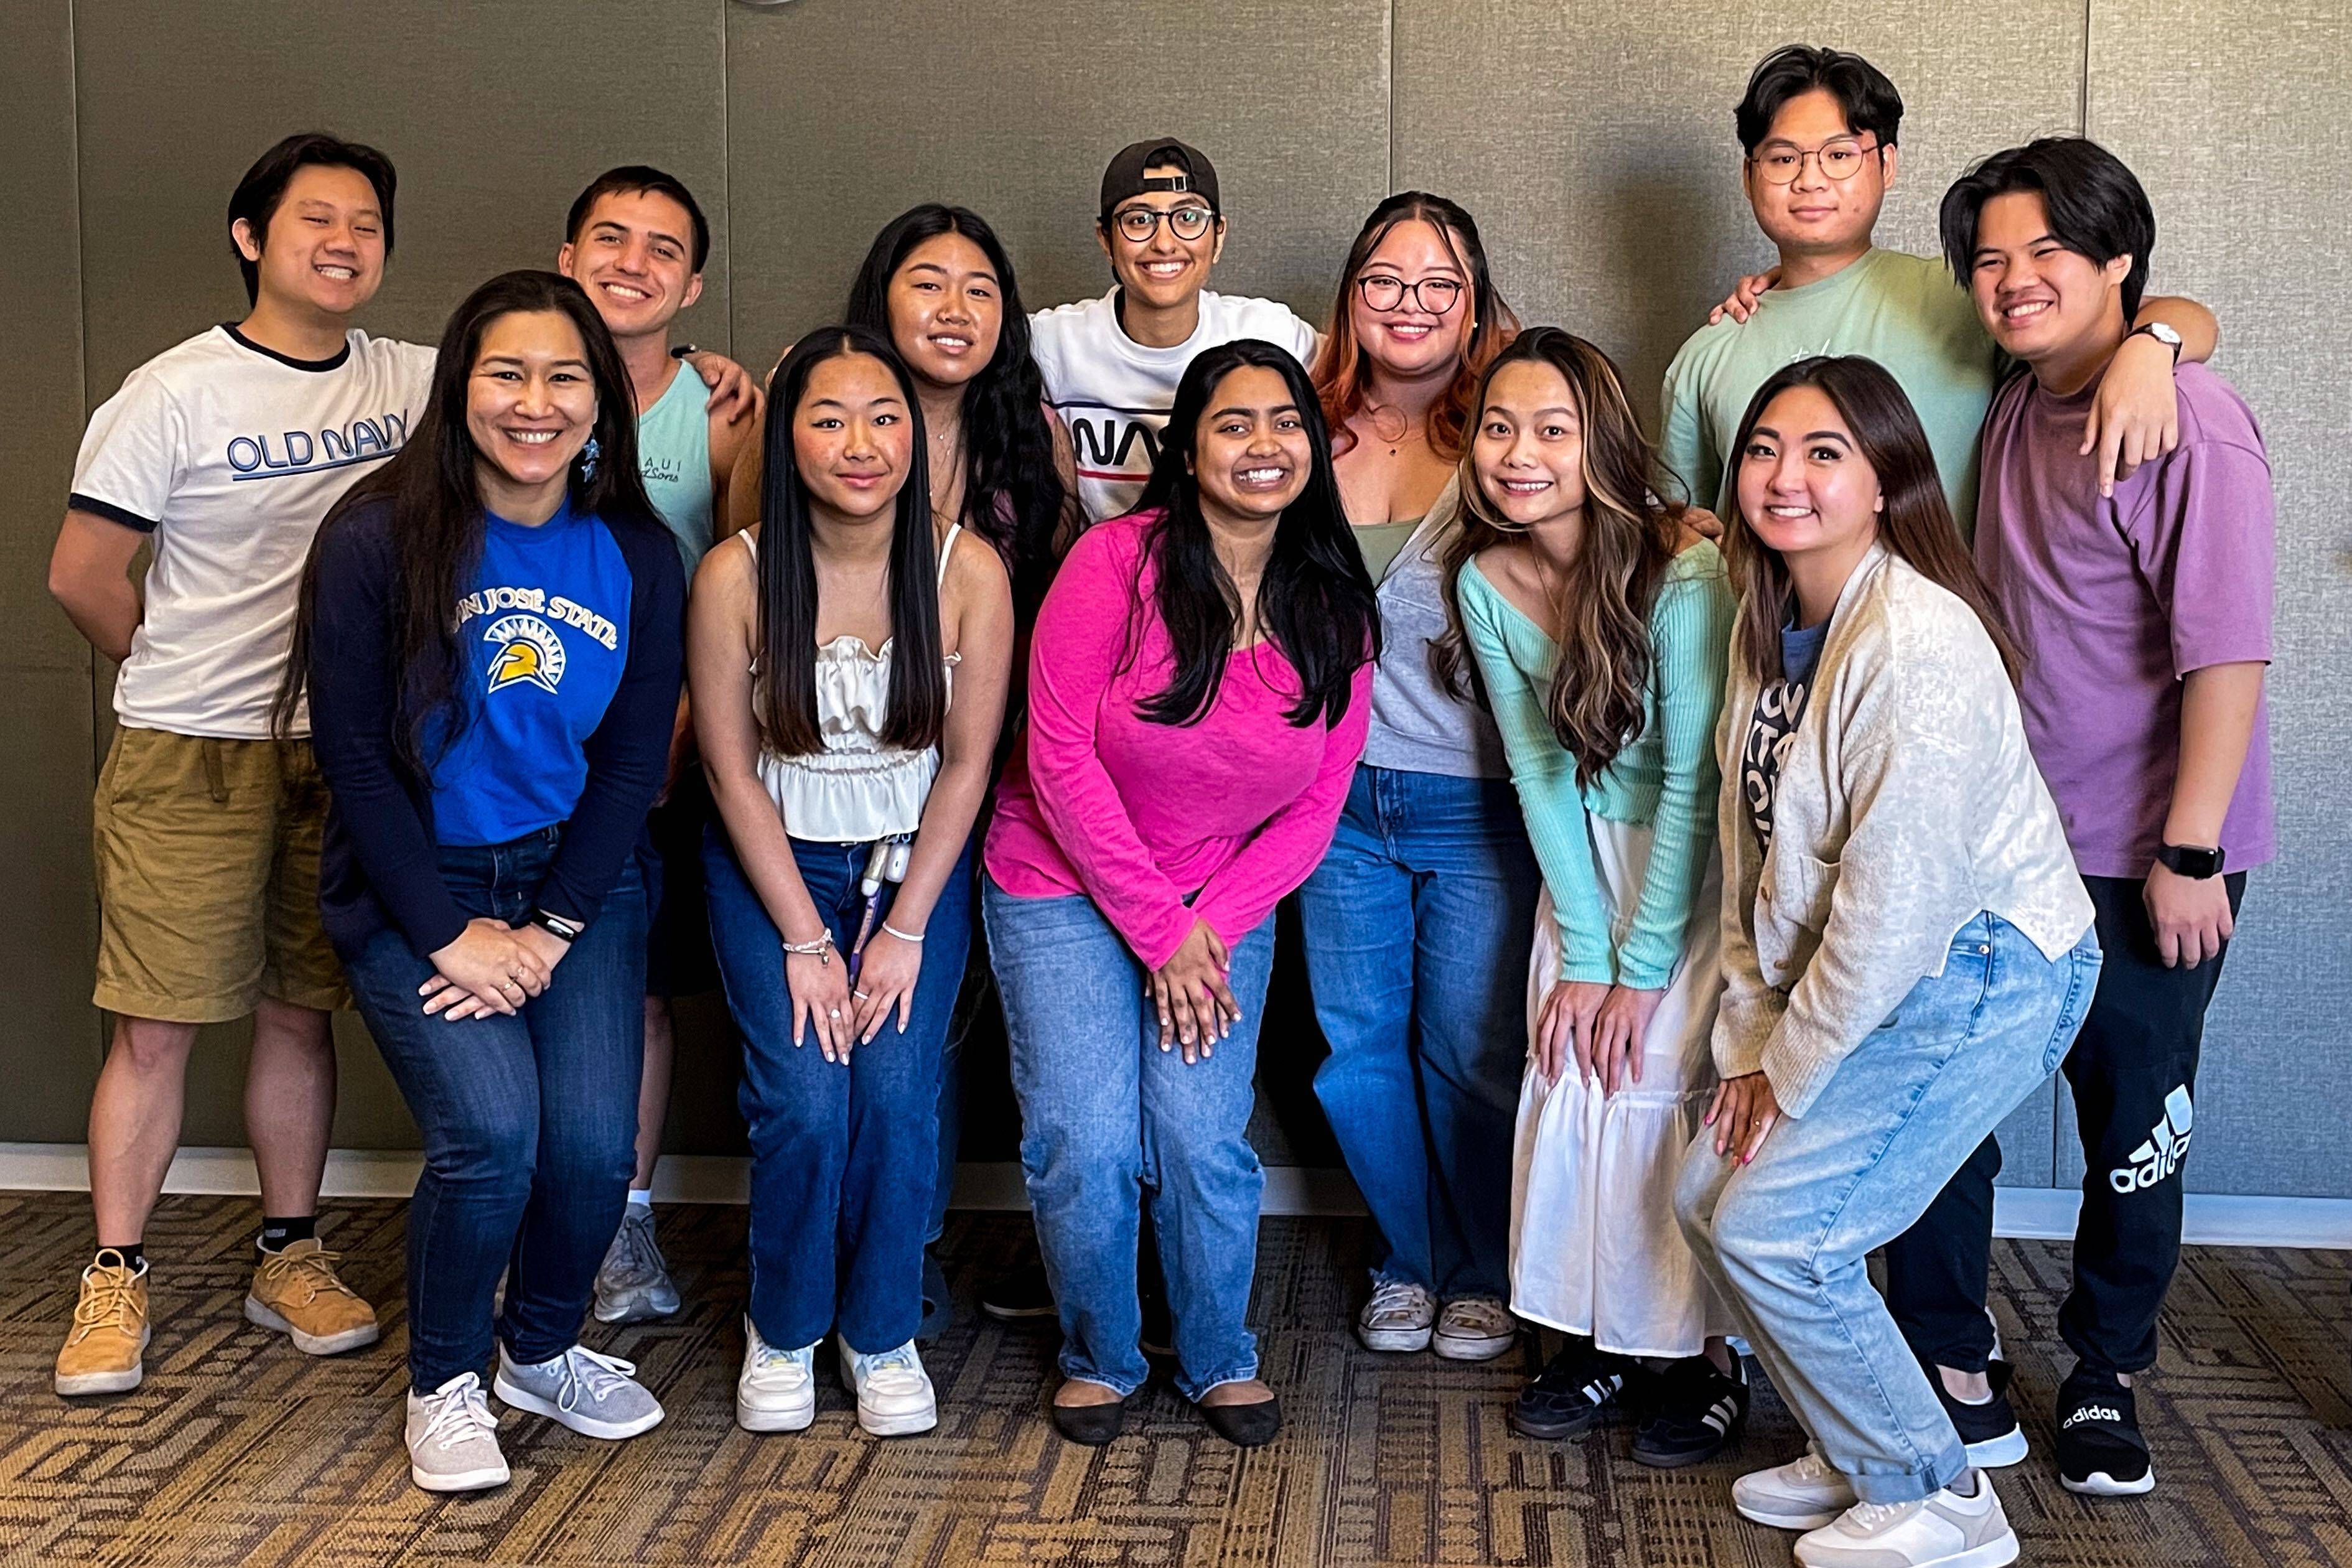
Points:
(2100, 1451)
(1572, 1392)
(1020, 1296)
(1691, 1413)
(1994, 1438)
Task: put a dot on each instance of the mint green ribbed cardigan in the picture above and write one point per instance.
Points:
(1667, 780)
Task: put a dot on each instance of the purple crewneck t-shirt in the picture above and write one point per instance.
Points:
(2115, 599)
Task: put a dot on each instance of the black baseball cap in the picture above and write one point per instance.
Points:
(1125, 176)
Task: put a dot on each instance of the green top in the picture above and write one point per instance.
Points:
(674, 453)
(1381, 541)
(1904, 312)
(1665, 779)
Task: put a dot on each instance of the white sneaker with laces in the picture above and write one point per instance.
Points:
(591, 1392)
(1950, 1529)
(894, 1393)
(776, 1391)
(1475, 1328)
(453, 1438)
(1805, 1493)
(1397, 1317)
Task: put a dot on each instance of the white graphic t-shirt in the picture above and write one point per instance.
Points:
(230, 455)
(1114, 393)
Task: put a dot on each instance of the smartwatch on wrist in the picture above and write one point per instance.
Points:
(2162, 334)
(2192, 861)
(556, 926)
(684, 350)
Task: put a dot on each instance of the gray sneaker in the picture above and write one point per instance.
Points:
(594, 1395)
(453, 1438)
(633, 1283)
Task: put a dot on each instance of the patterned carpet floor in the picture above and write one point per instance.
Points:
(239, 1450)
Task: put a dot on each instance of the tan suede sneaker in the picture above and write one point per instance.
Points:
(110, 1329)
(298, 1293)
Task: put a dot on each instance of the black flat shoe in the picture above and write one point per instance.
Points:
(1245, 1425)
(1091, 1425)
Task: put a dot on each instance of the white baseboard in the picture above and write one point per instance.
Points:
(2213, 1219)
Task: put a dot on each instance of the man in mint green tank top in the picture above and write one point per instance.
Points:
(1819, 129)
(637, 241)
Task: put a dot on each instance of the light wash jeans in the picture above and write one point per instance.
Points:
(1785, 1238)
(1417, 925)
(1104, 1114)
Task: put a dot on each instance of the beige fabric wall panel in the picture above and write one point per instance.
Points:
(49, 1052)
(2239, 120)
(843, 113)
(494, 116)
(1594, 143)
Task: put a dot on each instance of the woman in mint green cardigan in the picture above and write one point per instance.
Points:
(1612, 747)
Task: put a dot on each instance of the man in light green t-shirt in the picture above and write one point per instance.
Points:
(1818, 129)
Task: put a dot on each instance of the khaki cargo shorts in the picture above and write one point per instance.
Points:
(208, 879)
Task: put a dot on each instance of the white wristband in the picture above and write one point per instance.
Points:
(914, 936)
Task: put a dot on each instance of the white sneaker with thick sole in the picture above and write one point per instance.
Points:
(1398, 1318)
(592, 1394)
(894, 1393)
(776, 1391)
(1805, 1493)
(1475, 1328)
(1950, 1529)
(453, 1438)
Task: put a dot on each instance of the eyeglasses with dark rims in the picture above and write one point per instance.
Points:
(1383, 293)
(1138, 224)
(1779, 162)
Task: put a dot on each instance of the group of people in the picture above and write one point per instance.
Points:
(1700, 847)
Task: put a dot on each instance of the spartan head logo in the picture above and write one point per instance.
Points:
(528, 652)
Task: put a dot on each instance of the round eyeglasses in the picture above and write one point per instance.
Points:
(1780, 163)
(1188, 222)
(1434, 295)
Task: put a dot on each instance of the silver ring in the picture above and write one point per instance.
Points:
(861, 996)
(833, 1012)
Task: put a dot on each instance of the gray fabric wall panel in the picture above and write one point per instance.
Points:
(2240, 124)
(1015, 118)
(49, 1053)
(494, 116)
(1594, 143)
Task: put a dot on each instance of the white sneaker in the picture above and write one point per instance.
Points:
(1397, 1317)
(894, 1391)
(1805, 1493)
(453, 1438)
(1475, 1328)
(1946, 1531)
(776, 1391)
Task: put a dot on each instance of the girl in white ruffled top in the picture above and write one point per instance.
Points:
(847, 782)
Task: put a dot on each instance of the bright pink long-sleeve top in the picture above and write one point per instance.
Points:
(1138, 816)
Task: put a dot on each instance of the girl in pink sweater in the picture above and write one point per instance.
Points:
(1199, 690)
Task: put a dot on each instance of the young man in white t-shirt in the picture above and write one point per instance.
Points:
(1111, 364)
(224, 454)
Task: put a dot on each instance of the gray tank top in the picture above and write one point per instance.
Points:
(1416, 726)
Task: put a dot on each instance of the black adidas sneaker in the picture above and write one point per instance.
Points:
(1691, 1413)
(2100, 1451)
(1572, 1392)
(1994, 1439)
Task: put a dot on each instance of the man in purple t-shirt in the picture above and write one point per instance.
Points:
(2144, 610)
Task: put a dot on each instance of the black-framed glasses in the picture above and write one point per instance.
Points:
(1188, 222)
(1434, 295)
(1840, 159)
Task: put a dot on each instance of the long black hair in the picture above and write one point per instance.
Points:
(436, 507)
(1315, 599)
(1013, 493)
(788, 606)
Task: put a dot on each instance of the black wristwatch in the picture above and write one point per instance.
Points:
(2192, 861)
(2161, 334)
(556, 926)
(683, 351)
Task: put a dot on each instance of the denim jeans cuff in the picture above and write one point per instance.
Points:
(1947, 1467)
(1198, 1389)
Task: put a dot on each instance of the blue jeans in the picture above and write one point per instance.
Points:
(529, 1121)
(1104, 1114)
(1417, 925)
(842, 1154)
(1784, 1239)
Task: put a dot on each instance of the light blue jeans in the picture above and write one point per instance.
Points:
(1784, 1239)
(1105, 1114)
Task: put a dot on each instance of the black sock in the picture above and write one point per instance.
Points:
(134, 1253)
(277, 1234)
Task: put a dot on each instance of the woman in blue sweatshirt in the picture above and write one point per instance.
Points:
(489, 633)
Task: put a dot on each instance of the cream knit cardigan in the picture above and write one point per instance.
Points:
(1907, 803)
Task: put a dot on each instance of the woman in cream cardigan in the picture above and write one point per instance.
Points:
(1907, 949)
